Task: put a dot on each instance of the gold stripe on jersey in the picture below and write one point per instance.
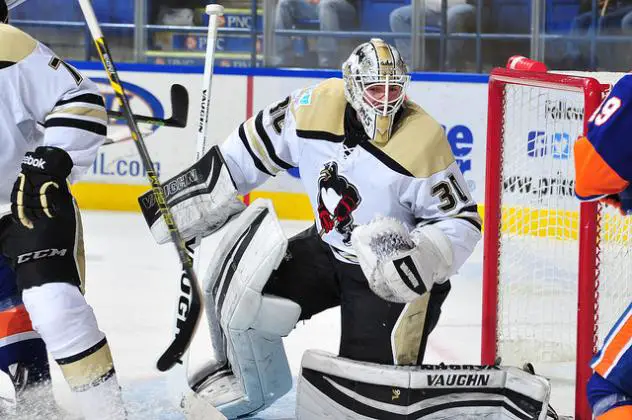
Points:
(408, 331)
(471, 215)
(79, 251)
(418, 143)
(323, 109)
(88, 368)
(15, 45)
(81, 111)
(468, 213)
(257, 143)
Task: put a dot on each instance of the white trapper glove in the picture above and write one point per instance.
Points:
(202, 199)
(401, 266)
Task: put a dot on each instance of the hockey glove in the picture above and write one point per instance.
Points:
(41, 190)
(401, 266)
(202, 199)
(622, 201)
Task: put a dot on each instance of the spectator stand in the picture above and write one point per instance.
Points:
(235, 46)
(44, 18)
(515, 27)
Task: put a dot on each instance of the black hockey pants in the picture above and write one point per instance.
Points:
(311, 276)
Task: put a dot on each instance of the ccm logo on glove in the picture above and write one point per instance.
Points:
(43, 253)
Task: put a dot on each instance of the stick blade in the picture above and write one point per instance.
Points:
(179, 106)
(182, 339)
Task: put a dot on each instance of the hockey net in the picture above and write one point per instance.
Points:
(556, 272)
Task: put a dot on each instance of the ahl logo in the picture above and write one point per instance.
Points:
(556, 145)
(141, 100)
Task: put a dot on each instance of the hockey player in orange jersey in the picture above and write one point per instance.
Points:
(603, 167)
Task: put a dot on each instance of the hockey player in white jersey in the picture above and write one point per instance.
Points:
(52, 121)
(394, 221)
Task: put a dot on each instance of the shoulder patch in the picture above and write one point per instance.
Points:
(305, 98)
(319, 111)
(419, 143)
(15, 45)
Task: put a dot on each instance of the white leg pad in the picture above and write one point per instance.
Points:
(331, 387)
(249, 326)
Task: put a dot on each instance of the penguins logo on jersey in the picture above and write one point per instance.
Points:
(337, 199)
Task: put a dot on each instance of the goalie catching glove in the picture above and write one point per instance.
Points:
(401, 266)
(202, 199)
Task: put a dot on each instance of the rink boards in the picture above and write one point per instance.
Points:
(457, 101)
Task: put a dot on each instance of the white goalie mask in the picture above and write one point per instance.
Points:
(376, 78)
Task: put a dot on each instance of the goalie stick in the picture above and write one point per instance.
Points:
(214, 11)
(178, 380)
(179, 111)
(190, 295)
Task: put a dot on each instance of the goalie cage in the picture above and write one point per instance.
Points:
(556, 272)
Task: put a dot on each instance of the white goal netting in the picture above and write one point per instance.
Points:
(539, 240)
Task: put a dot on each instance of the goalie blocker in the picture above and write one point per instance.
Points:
(337, 388)
(202, 198)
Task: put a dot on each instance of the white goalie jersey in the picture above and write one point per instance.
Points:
(413, 178)
(45, 102)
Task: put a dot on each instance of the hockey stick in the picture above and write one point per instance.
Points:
(178, 119)
(179, 111)
(178, 378)
(190, 295)
(214, 11)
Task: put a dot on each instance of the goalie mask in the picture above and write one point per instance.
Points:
(376, 78)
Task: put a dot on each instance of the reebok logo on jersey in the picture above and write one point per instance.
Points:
(34, 162)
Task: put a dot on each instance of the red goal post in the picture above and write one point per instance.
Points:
(545, 253)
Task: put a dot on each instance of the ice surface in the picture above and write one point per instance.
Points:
(132, 283)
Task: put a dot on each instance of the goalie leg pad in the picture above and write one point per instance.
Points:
(251, 324)
(334, 387)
